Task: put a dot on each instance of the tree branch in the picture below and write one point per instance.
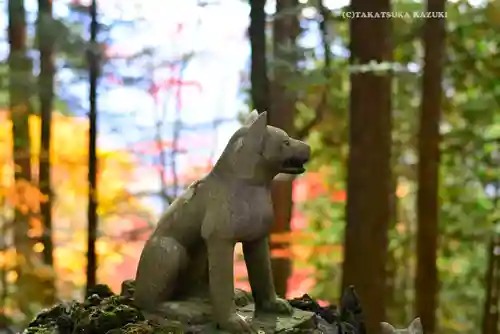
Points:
(323, 103)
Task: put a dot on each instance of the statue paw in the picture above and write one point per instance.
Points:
(276, 305)
(236, 324)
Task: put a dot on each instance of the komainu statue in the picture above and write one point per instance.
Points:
(415, 327)
(191, 251)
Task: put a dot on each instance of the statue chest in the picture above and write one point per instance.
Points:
(251, 213)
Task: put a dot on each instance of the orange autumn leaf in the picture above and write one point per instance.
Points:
(304, 252)
(328, 249)
(292, 236)
(285, 253)
(7, 258)
(25, 196)
(36, 228)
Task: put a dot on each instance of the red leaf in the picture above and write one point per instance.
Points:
(339, 196)
(298, 221)
(154, 147)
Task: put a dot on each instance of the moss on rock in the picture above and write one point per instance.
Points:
(102, 312)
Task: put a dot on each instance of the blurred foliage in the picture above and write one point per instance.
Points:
(469, 168)
(469, 163)
(69, 172)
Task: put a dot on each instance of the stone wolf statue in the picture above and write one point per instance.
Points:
(190, 254)
(415, 327)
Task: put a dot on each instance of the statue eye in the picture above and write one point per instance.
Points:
(287, 142)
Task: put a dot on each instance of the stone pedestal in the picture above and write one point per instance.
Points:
(195, 316)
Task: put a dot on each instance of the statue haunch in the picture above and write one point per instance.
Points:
(190, 254)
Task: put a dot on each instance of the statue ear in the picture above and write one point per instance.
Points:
(254, 114)
(387, 328)
(416, 327)
(256, 131)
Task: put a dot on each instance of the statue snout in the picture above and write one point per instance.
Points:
(303, 151)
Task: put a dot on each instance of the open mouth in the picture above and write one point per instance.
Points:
(293, 166)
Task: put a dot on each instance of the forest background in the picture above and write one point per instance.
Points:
(110, 108)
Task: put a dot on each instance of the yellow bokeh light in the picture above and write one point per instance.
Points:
(11, 276)
(38, 247)
(402, 190)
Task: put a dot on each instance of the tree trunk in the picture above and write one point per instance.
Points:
(92, 191)
(486, 325)
(392, 307)
(19, 92)
(492, 275)
(258, 72)
(282, 114)
(490, 307)
(494, 314)
(46, 95)
(369, 163)
(426, 280)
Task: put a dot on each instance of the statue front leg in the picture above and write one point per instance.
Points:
(258, 261)
(220, 260)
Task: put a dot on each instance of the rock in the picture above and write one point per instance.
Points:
(328, 321)
(307, 303)
(195, 316)
(101, 290)
(351, 312)
(127, 288)
(103, 313)
(94, 315)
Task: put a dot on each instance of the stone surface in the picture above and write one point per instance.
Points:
(111, 314)
(103, 312)
(195, 316)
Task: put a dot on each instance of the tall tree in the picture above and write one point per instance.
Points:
(260, 92)
(20, 70)
(281, 105)
(258, 73)
(391, 265)
(490, 309)
(426, 279)
(369, 172)
(286, 29)
(46, 96)
(94, 59)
